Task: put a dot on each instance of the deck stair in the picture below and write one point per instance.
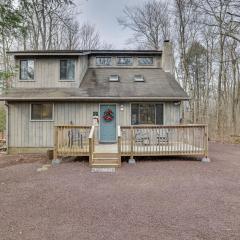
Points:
(106, 160)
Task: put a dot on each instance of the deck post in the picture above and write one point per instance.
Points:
(90, 151)
(55, 142)
(206, 159)
(206, 141)
(131, 160)
(119, 145)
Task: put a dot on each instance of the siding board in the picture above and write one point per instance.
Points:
(46, 74)
(26, 133)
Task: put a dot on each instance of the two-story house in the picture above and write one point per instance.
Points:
(74, 90)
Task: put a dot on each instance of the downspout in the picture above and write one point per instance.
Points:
(7, 127)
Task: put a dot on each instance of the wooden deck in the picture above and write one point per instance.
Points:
(177, 140)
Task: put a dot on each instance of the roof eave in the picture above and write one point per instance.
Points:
(83, 52)
(121, 99)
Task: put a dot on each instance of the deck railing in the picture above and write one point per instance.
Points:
(71, 140)
(141, 140)
(160, 140)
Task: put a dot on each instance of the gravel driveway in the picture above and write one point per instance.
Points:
(165, 200)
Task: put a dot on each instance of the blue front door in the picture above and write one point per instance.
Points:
(107, 123)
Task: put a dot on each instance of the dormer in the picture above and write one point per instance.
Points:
(49, 69)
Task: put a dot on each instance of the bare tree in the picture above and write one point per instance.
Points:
(185, 25)
(150, 23)
(43, 20)
(89, 37)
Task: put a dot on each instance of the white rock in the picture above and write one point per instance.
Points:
(56, 161)
(131, 161)
(206, 160)
(103, 170)
(42, 169)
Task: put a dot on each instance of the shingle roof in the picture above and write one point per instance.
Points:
(158, 85)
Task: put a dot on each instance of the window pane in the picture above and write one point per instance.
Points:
(23, 69)
(159, 114)
(63, 69)
(41, 111)
(30, 69)
(27, 69)
(36, 112)
(106, 61)
(70, 69)
(147, 114)
(135, 114)
(67, 69)
(47, 111)
(124, 61)
(145, 61)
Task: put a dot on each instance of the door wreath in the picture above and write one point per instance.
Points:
(108, 115)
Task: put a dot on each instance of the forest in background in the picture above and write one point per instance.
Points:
(205, 36)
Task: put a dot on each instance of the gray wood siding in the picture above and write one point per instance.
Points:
(171, 113)
(47, 74)
(26, 133)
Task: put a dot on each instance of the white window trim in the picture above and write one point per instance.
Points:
(43, 120)
(111, 63)
(139, 64)
(34, 71)
(155, 103)
(118, 78)
(59, 69)
(139, 79)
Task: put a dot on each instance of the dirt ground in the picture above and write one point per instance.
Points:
(167, 199)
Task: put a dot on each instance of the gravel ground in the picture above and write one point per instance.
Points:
(165, 200)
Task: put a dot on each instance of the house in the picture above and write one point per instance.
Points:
(101, 103)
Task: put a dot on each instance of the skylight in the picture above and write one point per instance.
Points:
(114, 78)
(138, 78)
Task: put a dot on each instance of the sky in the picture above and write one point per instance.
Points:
(104, 13)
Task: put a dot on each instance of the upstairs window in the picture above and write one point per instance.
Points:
(26, 69)
(67, 70)
(124, 61)
(103, 61)
(42, 111)
(138, 78)
(147, 113)
(113, 78)
(145, 61)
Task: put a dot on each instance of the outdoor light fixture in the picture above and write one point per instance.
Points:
(121, 108)
(177, 103)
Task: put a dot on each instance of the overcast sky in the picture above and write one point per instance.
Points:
(104, 13)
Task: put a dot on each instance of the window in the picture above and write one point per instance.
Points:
(42, 111)
(104, 61)
(145, 61)
(67, 70)
(124, 61)
(146, 113)
(138, 78)
(114, 78)
(26, 69)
